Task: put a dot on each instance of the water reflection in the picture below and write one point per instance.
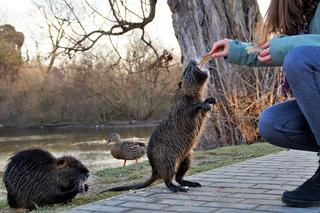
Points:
(88, 145)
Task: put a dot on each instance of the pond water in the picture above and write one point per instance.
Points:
(87, 145)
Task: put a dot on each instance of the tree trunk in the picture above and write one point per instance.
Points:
(242, 92)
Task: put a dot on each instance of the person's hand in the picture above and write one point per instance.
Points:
(220, 48)
(265, 56)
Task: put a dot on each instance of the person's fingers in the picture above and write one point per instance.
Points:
(219, 54)
(265, 59)
(220, 48)
(265, 52)
(216, 46)
(213, 49)
(269, 62)
(265, 45)
(220, 43)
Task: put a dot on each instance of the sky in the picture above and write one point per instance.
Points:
(20, 14)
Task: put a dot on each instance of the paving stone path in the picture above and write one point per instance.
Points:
(251, 186)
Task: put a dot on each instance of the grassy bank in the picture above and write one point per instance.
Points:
(203, 161)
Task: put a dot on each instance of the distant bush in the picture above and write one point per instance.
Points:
(92, 90)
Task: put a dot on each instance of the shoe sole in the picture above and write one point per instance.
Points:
(299, 203)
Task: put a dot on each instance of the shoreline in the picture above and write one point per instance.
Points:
(79, 125)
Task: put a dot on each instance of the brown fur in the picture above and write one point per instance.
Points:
(171, 144)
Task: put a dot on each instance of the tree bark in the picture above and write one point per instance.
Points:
(198, 24)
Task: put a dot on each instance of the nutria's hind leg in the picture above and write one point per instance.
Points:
(166, 172)
(175, 188)
(182, 169)
(12, 202)
(22, 205)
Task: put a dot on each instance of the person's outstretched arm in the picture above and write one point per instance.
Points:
(273, 54)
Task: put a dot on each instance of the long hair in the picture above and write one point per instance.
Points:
(287, 17)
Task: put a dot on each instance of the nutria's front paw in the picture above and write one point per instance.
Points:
(205, 107)
(211, 100)
(86, 187)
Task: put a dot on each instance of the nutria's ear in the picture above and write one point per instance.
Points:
(180, 84)
(61, 164)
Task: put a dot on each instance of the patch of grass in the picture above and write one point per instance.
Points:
(3, 204)
(203, 161)
(124, 174)
(215, 158)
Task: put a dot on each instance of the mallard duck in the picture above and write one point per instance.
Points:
(126, 150)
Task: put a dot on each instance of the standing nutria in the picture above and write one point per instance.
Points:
(171, 144)
(34, 178)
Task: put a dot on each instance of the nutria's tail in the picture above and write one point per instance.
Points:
(148, 182)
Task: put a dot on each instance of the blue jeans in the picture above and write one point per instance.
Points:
(295, 124)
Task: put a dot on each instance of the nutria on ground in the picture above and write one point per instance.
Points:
(34, 178)
(171, 144)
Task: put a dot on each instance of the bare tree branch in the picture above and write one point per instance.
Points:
(123, 20)
(56, 30)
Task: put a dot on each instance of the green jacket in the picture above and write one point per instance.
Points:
(279, 47)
